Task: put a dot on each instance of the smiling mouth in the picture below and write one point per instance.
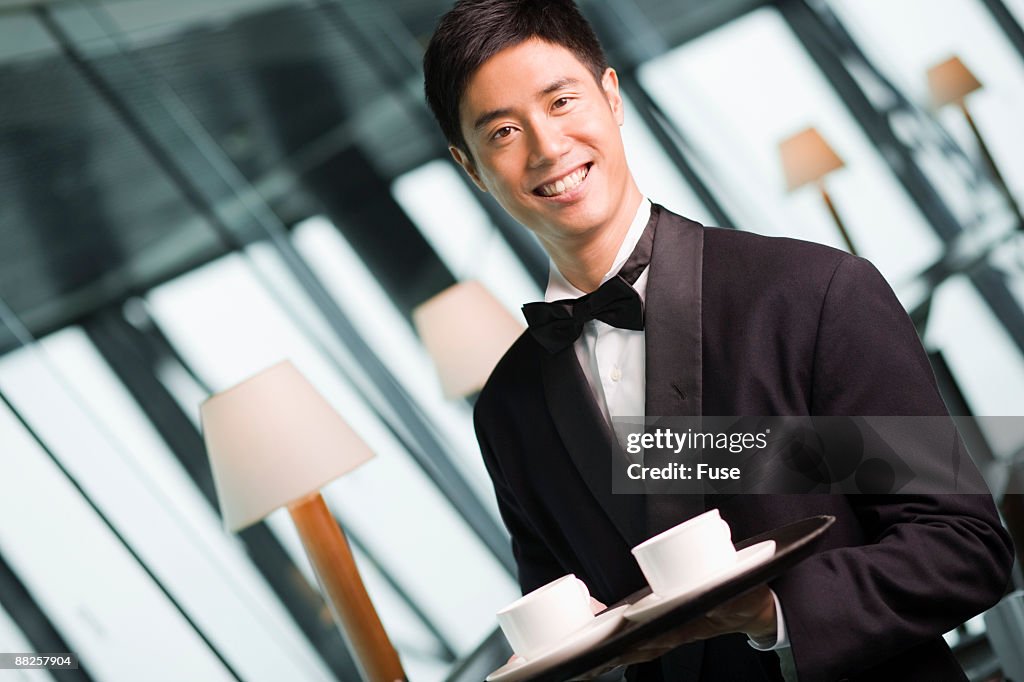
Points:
(564, 184)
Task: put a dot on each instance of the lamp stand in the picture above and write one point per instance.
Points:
(1004, 189)
(836, 218)
(339, 579)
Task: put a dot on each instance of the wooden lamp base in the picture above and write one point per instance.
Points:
(336, 571)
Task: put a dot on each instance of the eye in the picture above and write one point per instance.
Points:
(504, 131)
(560, 102)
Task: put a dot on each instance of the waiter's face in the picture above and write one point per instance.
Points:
(544, 139)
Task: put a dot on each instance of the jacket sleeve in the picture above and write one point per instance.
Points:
(929, 562)
(535, 563)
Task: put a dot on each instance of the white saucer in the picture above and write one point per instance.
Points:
(654, 605)
(575, 644)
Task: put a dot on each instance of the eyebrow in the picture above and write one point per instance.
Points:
(488, 116)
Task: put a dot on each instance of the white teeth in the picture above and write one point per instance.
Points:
(568, 182)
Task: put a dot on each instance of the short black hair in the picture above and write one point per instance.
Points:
(473, 31)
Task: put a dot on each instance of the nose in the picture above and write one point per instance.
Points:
(548, 143)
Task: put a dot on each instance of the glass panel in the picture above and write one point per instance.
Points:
(79, 572)
(13, 640)
(1016, 8)
(227, 326)
(391, 336)
(461, 234)
(21, 37)
(228, 320)
(906, 38)
(743, 115)
(654, 172)
(101, 438)
(987, 364)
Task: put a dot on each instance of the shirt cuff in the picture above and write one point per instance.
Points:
(781, 640)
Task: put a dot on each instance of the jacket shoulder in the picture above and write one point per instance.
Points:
(749, 254)
(763, 255)
(516, 372)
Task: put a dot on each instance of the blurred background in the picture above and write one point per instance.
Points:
(191, 191)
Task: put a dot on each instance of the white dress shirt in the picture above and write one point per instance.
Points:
(613, 360)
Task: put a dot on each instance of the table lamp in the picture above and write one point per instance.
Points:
(808, 158)
(466, 331)
(950, 82)
(274, 441)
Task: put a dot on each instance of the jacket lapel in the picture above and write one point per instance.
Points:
(672, 341)
(673, 366)
(589, 440)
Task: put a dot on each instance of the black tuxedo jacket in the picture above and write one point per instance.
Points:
(739, 324)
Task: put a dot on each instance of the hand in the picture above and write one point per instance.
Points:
(752, 613)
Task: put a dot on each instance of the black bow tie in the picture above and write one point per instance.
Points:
(558, 324)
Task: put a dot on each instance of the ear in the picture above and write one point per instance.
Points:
(466, 161)
(610, 85)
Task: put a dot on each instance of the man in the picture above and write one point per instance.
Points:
(731, 324)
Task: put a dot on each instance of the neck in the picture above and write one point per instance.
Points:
(585, 260)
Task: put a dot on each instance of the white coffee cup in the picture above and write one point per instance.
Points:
(686, 555)
(546, 616)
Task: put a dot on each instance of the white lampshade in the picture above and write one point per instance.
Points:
(807, 157)
(273, 440)
(466, 331)
(951, 81)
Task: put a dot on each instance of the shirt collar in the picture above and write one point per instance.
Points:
(559, 287)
